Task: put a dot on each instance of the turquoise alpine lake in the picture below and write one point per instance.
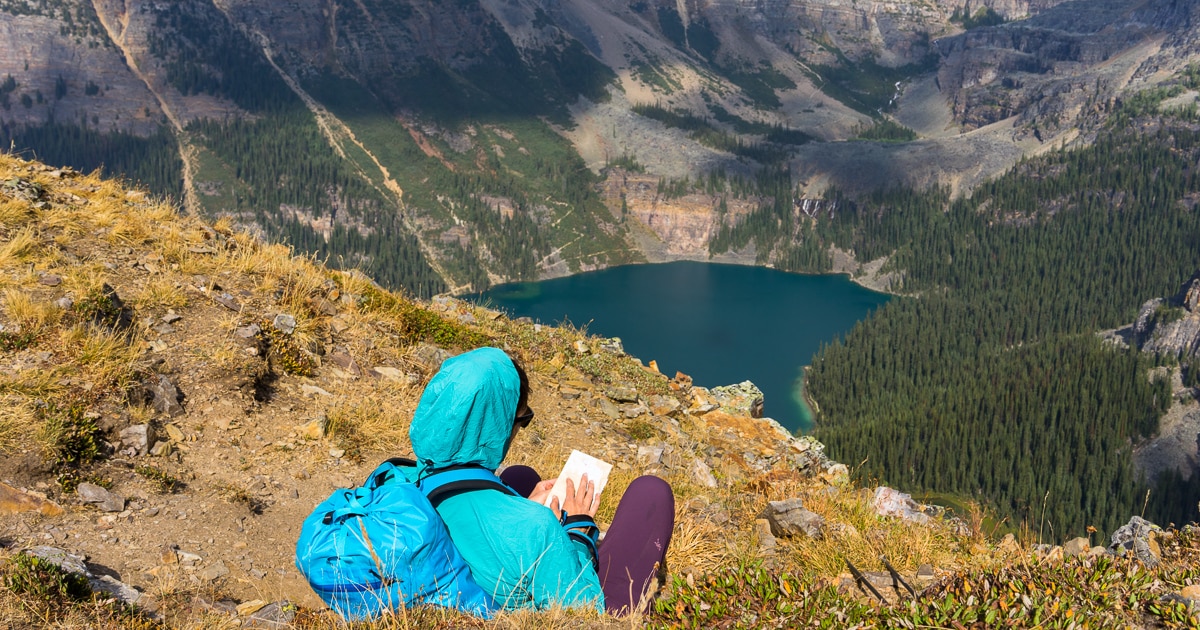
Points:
(719, 324)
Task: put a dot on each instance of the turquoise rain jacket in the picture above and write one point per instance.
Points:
(517, 549)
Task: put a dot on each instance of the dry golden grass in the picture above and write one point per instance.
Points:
(104, 356)
(698, 544)
(373, 423)
(32, 316)
(14, 214)
(31, 383)
(160, 292)
(17, 423)
(22, 245)
(865, 536)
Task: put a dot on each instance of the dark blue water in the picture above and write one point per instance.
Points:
(719, 324)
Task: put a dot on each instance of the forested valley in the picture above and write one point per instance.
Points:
(990, 381)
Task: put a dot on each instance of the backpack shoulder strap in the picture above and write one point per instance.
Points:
(446, 482)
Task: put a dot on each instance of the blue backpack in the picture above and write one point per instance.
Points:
(382, 546)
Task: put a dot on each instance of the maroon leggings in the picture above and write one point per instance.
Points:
(634, 546)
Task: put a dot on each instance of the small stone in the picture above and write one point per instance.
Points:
(337, 453)
(91, 493)
(612, 346)
(766, 540)
(50, 279)
(702, 474)
(650, 455)
(1077, 547)
(633, 411)
(1053, 554)
(389, 373)
(161, 448)
(13, 501)
(65, 303)
(789, 518)
(166, 396)
(581, 348)
(164, 329)
(1096, 551)
(247, 332)
(188, 558)
(1191, 592)
(252, 606)
(313, 429)
(171, 317)
(226, 300)
(159, 572)
(213, 571)
(664, 405)
(274, 616)
(158, 346)
(836, 474)
(258, 575)
(137, 437)
(568, 393)
(622, 394)
(168, 555)
(607, 408)
(345, 362)
(925, 573)
(175, 433)
(338, 325)
(284, 323)
(1009, 545)
(313, 390)
(326, 307)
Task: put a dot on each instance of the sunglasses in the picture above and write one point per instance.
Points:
(524, 419)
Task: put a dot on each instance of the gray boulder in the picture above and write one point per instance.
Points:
(137, 439)
(101, 498)
(72, 563)
(745, 399)
(166, 396)
(1139, 537)
(788, 518)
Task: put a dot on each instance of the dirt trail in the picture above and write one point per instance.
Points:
(186, 153)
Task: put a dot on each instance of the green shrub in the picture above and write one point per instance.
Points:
(72, 438)
(163, 482)
(44, 581)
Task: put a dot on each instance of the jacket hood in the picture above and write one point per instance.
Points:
(465, 415)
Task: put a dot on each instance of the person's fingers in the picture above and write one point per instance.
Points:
(554, 505)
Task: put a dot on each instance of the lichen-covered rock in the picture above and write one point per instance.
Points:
(1139, 537)
(744, 398)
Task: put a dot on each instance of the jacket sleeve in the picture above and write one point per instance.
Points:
(564, 574)
(519, 552)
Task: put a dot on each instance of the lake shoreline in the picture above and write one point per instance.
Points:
(721, 323)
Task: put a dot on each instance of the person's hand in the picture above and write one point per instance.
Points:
(581, 500)
(541, 491)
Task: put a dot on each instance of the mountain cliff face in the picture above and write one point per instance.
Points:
(1171, 327)
(389, 135)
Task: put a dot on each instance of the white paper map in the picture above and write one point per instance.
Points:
(577, 464)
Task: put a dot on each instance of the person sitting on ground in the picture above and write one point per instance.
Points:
(521, 552)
